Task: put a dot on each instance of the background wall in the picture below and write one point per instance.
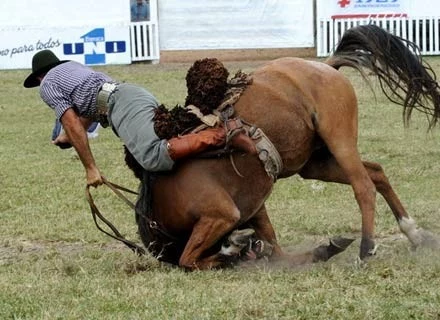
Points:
(98, 32)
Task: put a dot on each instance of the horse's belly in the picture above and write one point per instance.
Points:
(211, 188)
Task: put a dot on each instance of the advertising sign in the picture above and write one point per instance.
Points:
(368, 8)
(88, 45)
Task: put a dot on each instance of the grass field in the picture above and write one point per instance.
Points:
(55, 264)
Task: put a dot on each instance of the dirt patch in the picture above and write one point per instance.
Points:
(13, 250)
(235, 55)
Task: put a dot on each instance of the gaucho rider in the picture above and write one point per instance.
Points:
(80, 95)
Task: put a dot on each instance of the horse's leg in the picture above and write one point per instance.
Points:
(260, 222)
(341, 139)
(206, 232)
(330, 171)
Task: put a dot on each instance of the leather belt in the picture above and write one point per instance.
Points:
(104, 94)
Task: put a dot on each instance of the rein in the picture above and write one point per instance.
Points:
(97, 214)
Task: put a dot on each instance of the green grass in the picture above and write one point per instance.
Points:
(55, 264)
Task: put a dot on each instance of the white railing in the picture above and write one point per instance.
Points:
(144, 41)
(423, 31)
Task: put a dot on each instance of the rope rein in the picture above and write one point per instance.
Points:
(96, 214)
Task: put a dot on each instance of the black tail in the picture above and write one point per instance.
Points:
(404, 77)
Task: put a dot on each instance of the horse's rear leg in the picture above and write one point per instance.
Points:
(349, 168)
(330, 171)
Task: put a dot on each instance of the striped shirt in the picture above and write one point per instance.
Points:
(72, 85)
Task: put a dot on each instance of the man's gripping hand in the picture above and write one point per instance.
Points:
(94, 177)
(62, 141)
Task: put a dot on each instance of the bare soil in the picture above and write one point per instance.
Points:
(184, 56)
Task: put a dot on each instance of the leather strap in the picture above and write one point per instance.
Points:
(96, 214)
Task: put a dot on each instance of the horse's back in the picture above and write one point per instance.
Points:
(289, 98)
(298, 83)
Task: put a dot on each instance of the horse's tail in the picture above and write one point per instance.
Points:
(404, 77)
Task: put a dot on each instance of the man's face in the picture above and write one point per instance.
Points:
(139, 2)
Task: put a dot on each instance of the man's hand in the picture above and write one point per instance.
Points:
(94, 177)
(62, 141)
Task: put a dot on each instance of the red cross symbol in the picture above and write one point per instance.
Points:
(343, 3)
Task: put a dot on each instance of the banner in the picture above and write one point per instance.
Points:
(367, 8)
(235, 24)
(87, 45)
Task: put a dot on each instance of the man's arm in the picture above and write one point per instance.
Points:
(77, 134)
(62, 141)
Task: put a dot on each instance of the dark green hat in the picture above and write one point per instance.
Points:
(42, 62)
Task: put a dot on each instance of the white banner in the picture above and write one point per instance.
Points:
(62, 13)
(235, 24)
(88, 45)
(337, 9)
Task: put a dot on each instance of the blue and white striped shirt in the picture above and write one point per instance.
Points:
(72, 85)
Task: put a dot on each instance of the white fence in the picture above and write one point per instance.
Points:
(423, 31)
(144, 38)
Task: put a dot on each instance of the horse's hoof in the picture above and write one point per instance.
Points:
(240, 238)
(337, 245)
(261, 248)
(236, 241)
(368, 248)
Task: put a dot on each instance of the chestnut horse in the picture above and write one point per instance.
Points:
(308, 109)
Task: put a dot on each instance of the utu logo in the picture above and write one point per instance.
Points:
(94, 47)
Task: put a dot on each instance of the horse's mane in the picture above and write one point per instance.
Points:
(207, 83)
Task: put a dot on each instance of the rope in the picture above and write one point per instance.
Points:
(96, 214)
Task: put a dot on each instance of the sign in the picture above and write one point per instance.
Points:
(368, 8)
(91, 46)
(232, 24)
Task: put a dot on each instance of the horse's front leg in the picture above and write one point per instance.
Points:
(205, 234)
(264, 231)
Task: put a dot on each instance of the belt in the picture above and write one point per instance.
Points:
(104, 94)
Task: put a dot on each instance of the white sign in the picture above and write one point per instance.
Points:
(367, 8)
(88, 45)
(57, 13)
(229, 24)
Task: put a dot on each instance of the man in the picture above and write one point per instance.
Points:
(80, 96)
(140, 11)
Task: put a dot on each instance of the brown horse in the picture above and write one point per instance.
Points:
(308, 109)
